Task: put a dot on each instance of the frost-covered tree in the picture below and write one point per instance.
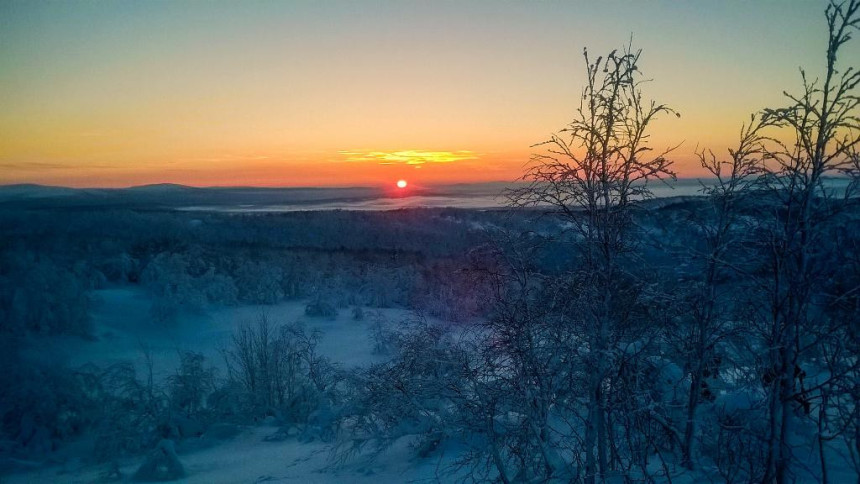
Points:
(815, 136)
(706, 319)
(593, 174)
(191, 384)
(39, 295)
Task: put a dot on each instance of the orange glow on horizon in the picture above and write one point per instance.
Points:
(313, 94)
(290, 170)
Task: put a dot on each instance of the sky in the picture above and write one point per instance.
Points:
(346, 93)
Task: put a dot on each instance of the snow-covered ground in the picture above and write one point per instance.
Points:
(125, 332)
(249, 458)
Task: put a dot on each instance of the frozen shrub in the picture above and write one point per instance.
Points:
(381, 336)
(162, 464)
(132, 412)
(42, 403)
(738, 444)
(119, 268)
(279, 372)
(414, 394)
(191, 384)
(259, 282)
(320, 309)
(186, 281)
(229, 400)
(167, 276)
(39, 296)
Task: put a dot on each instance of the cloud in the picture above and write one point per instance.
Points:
(408, 157)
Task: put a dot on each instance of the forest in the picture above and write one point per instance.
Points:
(584, 332)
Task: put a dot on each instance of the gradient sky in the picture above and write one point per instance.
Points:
(364, 92)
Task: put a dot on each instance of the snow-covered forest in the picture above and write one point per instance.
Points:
(586, 331)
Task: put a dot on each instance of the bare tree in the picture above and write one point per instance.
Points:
(593, 173)
(708, 322)
(821, 127)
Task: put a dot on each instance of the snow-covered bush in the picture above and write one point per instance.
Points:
(190, 386)
(182, 281)
(42, 403)
(133, 414)
(38, 295)
(320, 308)
(738, 444)
(279, 371)
(260, 283)
(411, 396)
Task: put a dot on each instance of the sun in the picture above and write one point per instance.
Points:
(401, 183)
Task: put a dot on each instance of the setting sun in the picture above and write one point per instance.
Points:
(401, 184)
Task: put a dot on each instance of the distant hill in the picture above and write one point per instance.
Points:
(160, 188)
(170, 195)
(175, 196)
(32, 190)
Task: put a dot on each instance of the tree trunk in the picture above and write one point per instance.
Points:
(690, 428)
(590, 436)
(774, 425)
(822, 417)
(786, 395)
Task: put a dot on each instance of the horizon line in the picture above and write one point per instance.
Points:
(297, 187)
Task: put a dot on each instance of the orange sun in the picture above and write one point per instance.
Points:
(401, 183)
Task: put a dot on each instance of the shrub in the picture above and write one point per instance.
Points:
(191, 384)
(321, 309)
(279, 371)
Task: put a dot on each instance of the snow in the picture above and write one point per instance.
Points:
(124, 329)
(249, 458)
